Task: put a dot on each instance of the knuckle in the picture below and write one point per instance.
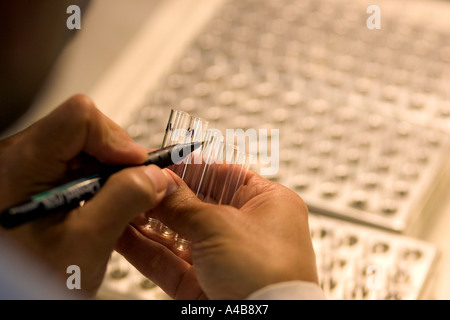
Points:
(290, 198)
(81, 99)
(80, 107)
(300, 203)
(186, 203)
(303, 206)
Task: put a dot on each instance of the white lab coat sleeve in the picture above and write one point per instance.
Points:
(290, 290)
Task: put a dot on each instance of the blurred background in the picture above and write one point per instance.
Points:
(364, 117)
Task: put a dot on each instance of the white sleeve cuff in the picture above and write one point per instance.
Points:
(291, 290)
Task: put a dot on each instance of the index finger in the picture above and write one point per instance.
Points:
(171, 273)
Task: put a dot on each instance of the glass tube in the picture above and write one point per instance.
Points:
(214, 172)
(182, 244)
(243, 161)
(231, 156)
(196, 131)
(211, 144)
(184, 128)
(211, 191)
(177, 128)
(177, 131)
(153, 224)
(189, 170)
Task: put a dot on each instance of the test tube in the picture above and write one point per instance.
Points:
(177, 128)
(189, 170)
(211, 148)
(243, 161)
(229, 157)
(214, 172)
(210, 190)
(184, 128)
(176, 132)
(238, 165)
(182, 244)
(195, 133)
(153, 224)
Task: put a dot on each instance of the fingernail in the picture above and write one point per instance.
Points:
(172, 185)
(158, 178)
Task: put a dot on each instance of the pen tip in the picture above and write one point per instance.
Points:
(197, 144)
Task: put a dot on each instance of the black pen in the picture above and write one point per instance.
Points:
(69, 196)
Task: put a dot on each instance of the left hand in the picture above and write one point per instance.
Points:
(263, 239)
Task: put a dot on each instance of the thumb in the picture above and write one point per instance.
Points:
(125, 195)
(184, 213)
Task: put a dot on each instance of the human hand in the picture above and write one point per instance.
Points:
(264, 239)
(72, 141)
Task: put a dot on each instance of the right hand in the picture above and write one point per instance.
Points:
(264, 240)
(73, 141)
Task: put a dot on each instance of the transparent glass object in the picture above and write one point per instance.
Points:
(213, 172)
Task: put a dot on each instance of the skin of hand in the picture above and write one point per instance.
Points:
(71, 141)
(261, 240)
